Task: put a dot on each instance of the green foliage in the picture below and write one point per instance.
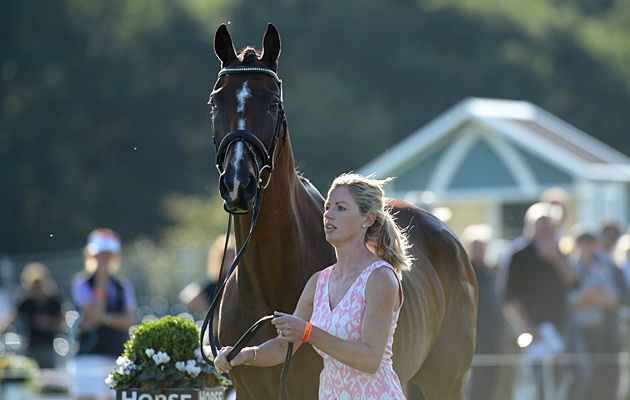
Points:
(175, 336)
(103, 104)
(18, 368)
(164, 354)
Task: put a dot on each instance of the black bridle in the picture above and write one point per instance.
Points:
(250, 141)
(248, 138)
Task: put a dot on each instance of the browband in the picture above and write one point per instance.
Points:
(243, 70)
(240, 70)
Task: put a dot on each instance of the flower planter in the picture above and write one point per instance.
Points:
(215, 393)
(162, 361)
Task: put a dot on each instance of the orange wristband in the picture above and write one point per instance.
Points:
(307, 332)
(99, 293)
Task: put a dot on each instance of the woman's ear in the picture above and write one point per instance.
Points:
(369, 219)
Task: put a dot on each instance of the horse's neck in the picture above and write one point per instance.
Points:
(287, 229)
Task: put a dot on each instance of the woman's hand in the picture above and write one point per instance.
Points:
(289, 327)
(221, 364)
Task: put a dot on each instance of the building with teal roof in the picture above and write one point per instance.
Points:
(487, 160)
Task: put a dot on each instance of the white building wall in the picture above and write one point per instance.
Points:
(597, 201)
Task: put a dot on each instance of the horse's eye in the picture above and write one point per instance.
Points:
(213, 105)
(274, 106)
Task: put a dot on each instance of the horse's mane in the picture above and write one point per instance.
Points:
(317, 196)
(248, 55)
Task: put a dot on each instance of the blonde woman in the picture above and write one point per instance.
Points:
(348, 312)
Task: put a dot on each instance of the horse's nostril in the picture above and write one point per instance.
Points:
(224, 189)
(252, 185)
(253, 181)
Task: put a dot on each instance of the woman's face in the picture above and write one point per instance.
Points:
(100, 261)
(342, 219)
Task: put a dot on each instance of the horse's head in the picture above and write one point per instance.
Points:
(247, 117)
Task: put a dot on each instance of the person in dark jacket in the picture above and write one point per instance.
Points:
(484, 379)
(536, 296)
(39, 314)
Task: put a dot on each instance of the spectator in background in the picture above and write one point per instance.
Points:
(555, 196)
(107, 305)
(605, 248)
(594, 309)
(39, 314)
(199, 299)
(559, 197)
(622, 260)
(539, 279)
(608, 237)
(622, 256)
(483, 379)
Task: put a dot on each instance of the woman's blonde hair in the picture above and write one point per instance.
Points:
(384, 238)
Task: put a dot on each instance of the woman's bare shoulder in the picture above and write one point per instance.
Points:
(382, 285)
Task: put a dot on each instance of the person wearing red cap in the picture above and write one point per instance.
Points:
(107, 305)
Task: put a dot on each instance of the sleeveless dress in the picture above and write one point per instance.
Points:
(338, 381)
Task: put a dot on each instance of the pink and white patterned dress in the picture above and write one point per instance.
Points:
(337, 380)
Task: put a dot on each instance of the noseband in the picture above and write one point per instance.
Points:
(249, 139)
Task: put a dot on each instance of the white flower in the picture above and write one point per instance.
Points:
(110, 381)
(126, 365)
(180, 365)
(199, 356)
(192, 369)
(161, 358)
(150, 352)
(124, 362)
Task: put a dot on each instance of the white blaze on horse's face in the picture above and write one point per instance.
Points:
(242, 95)
(239, 154)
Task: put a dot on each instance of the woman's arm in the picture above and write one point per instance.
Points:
(94, 318)
(94, 311)
(382, 298)
(273, 351)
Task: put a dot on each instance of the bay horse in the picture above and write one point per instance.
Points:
(434, 340)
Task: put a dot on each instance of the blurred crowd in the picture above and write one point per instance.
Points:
(553, 310)
(554, 306)
(74, 341)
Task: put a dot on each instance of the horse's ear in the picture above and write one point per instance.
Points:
(223, 46)
(271, 47)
